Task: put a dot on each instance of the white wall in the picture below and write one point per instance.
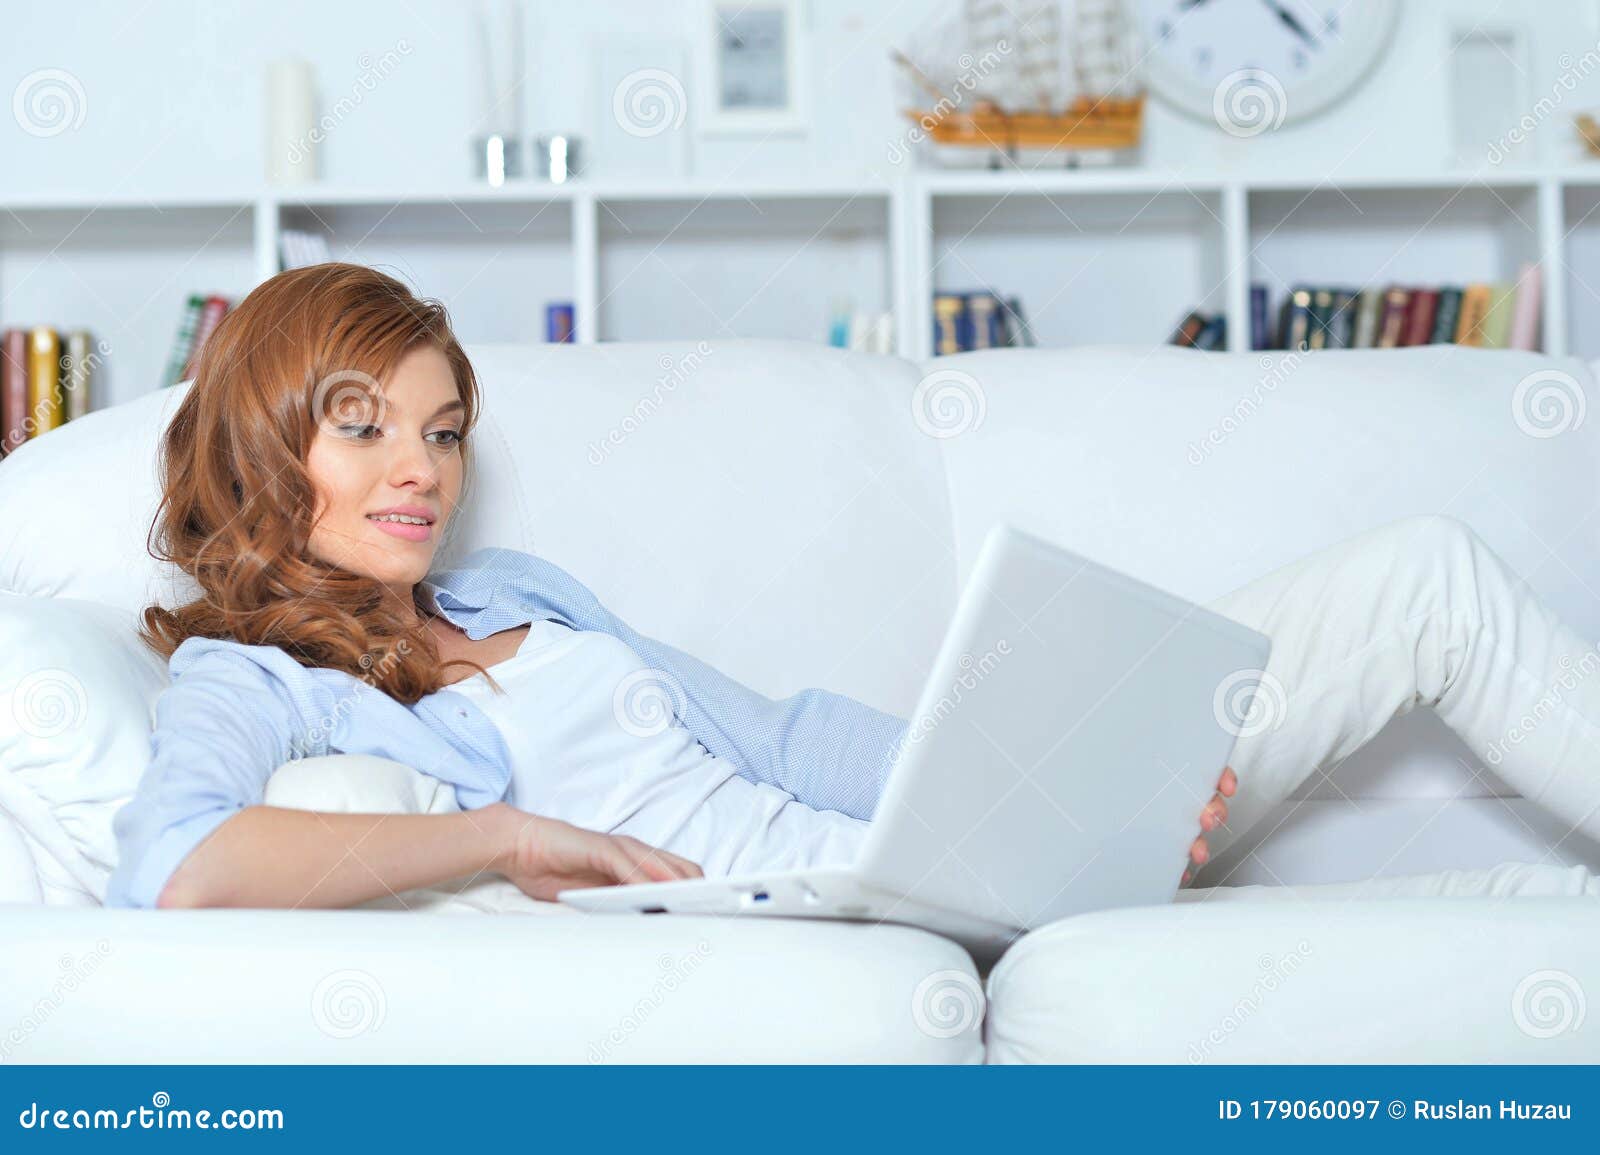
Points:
(173, 91)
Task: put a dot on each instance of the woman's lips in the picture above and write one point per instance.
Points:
(403, 530)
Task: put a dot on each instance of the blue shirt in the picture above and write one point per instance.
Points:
(234, 713)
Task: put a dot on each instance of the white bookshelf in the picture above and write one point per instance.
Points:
(1096, 255)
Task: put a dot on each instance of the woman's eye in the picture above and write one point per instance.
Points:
(358, 432)
(452, 434)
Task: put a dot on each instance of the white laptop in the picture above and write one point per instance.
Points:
(1073, 727)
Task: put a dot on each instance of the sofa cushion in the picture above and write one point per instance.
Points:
(74, 733)
(1248, 975)
(368, 986)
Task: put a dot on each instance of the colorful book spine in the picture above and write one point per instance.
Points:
(183, 343)
(1295, 326)
(211, 314)
(1260, 336)
(77, 373)
(1392, 325)
(560, 323)
(1475, 301)
(1369, 307)
(44, 380)
(14, 387)
(1525, 315)
(1447, 315)
(947, 311)
(1418, 326)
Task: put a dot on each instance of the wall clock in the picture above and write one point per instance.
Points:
(1296, 57)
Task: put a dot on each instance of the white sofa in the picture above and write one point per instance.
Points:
(801, 516)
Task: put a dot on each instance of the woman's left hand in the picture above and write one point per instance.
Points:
(1213, 816)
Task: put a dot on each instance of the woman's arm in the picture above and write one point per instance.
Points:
(268, 856)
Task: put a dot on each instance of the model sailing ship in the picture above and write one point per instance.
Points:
(1011, 92)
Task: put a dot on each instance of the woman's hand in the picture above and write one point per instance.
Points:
(545, 856)
(1213, 816)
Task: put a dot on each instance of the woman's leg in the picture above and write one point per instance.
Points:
(1416, 612)
(1508, 880)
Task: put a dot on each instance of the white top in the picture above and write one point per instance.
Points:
(593, 741)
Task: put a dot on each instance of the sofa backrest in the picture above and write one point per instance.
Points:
(769, 506)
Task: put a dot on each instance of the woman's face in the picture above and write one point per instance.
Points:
(401, 456)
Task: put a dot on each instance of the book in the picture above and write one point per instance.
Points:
(1294, 327)
(1018, 331)
(983, 316)
(1474, 308)
(1391, 325)
(1321, 318)
(211, 314)
(188, 322)
(1497, 321)
(44, 380)
(14, 387)
(77, 373)
(560, 323)
(1342, 321)
(1369, 306)
(947, 319)
(1418, 325)
(1525, 316)
(1447, 314)
(1260, 337)
(1213, 334)
(1188, 330)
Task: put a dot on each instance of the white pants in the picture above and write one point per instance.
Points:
(1416, 612)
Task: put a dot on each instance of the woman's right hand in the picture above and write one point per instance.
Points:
(545, 856)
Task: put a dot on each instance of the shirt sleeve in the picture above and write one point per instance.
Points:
(830, 751)
(221, 728)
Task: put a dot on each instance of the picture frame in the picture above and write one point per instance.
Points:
(751, 61)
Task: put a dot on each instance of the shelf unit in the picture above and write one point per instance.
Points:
(1096, 254)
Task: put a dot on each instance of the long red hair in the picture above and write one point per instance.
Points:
(237, 500)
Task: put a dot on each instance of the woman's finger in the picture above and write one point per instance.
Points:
(1229, 782)
(1199, 851)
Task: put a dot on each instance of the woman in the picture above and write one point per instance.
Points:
(309, 476)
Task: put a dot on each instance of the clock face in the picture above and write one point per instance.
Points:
(1295, 57)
